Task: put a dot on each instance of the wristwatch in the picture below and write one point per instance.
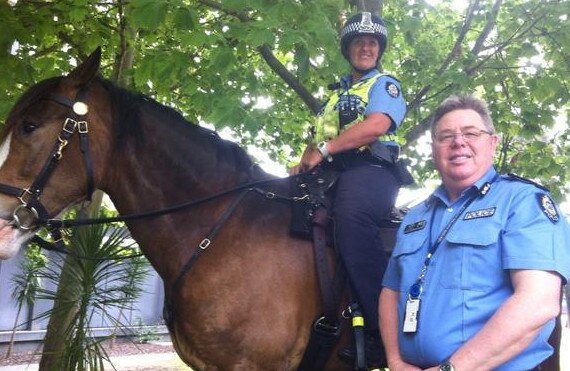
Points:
(322, 147)
(446, 366)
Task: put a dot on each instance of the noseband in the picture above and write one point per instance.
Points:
(27, 215)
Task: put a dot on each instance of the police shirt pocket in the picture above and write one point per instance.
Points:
(472, 260)
(409, 255)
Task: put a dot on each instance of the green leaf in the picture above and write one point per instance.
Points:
(185, 19)
(260, 37)
(222, 59)
(148, 14)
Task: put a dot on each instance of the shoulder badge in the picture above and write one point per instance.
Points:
(511, 176)
(548, 207)
(392, 89)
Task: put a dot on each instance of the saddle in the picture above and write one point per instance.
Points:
(311, 220)
(310, 192)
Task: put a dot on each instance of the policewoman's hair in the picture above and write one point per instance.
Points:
(364, 23)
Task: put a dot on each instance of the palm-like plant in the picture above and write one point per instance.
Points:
(94, 281)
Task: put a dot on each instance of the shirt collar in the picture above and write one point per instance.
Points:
(346, 81)
(441, 194)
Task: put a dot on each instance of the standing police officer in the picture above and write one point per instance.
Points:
(474, 281)
(355, 134)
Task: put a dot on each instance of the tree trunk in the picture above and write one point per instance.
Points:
(372, 6)
(60, 320)
(11, 344)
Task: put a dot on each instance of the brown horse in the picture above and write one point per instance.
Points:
(249, 301)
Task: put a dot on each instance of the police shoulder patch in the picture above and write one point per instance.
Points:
(392, 89)
(548, 207)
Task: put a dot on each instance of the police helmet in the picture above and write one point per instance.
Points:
(364, 23)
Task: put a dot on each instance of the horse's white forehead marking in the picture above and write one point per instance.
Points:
(5, 149)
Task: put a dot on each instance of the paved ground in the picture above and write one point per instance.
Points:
(125, 356)
(137, 362)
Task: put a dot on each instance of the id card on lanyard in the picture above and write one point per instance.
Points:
(412, 312)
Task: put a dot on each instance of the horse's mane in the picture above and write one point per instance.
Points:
(126, 119)
(126, 115)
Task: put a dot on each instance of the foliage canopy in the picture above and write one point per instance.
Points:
(261, 67)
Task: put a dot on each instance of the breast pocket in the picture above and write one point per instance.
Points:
(473, 259)
(409, 255)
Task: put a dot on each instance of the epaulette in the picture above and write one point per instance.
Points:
(390, 75)
(511, 176)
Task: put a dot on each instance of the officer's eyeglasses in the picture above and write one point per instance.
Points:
(447, 137)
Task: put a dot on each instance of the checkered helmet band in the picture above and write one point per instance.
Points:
(365, 26)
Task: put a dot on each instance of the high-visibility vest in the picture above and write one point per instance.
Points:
(354, 99)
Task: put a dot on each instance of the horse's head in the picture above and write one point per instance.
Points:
(38, 179)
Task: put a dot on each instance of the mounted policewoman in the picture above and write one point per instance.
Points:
(355, 134)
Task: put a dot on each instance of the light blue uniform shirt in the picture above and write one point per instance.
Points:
(514, 226)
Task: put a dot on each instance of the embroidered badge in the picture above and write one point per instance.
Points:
(414, 227)
(392, 89)
(483, 213)
(548, 207)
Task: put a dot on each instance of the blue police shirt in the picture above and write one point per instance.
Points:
(513, 226)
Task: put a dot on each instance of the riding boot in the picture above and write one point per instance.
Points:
(373, 350)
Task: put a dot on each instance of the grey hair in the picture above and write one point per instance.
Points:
(461, 102)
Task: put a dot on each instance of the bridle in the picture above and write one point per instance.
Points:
(31, 211)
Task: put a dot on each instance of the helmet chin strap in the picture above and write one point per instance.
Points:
(364, 72)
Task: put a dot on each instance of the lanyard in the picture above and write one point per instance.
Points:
(417, 287)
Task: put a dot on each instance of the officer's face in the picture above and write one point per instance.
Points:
(462, 159)
(363, 51)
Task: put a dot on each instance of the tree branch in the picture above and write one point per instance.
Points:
(492, 20)
(273, 63)
(418, 130)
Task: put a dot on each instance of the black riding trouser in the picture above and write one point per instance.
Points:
(364, 195)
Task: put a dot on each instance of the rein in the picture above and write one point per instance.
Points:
(54, 226)
(67, 223)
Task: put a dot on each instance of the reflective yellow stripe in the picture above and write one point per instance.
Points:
(358, 321)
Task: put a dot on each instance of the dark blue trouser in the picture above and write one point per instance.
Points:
(364, 195)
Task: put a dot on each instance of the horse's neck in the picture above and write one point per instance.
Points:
(172, 167)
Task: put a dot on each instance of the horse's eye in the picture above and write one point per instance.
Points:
(29, 127)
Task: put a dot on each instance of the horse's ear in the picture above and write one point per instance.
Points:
(87, 70)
